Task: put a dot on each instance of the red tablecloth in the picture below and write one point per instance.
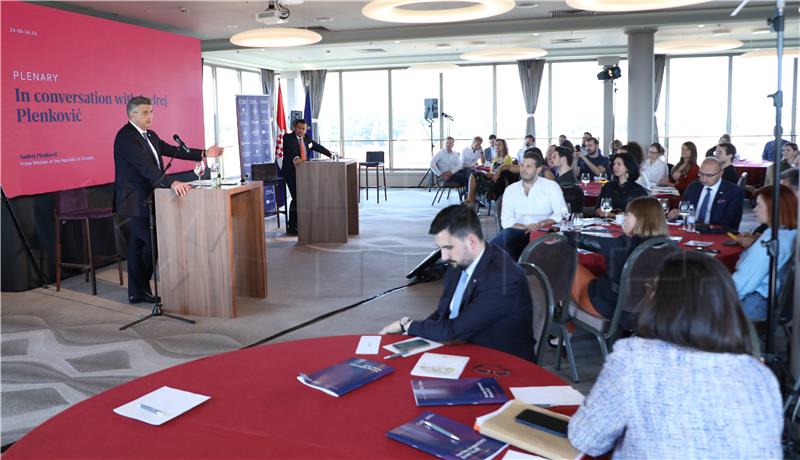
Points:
(756, 171)
(258, 409)
(592, 190)
(728, 255)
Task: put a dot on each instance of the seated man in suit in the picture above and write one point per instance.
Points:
(716, 202)
(295, 150)
(486, 300)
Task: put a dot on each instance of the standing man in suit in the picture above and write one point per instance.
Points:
(295, 150)
(716, 202)
(486, 300)
(138, 170)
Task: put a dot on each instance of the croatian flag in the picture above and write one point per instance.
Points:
(280, 121)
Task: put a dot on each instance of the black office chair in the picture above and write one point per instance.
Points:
(374, 160)
(267, 173)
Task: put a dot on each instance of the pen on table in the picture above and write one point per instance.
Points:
(394, 355)
(440, 430)
(151, 409)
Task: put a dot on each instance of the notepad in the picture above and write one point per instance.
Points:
(440, 366)
(561, 395)
(160, 406)
(368, 345)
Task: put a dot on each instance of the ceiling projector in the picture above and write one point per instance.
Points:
(275, 13)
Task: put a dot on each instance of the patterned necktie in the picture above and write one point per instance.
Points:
(302, 149)
(458, 295)
(701, 214)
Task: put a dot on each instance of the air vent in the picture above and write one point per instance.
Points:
(370, 50)
(561, 41)
(571, 13)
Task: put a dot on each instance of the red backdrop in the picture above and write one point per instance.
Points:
(66, 79)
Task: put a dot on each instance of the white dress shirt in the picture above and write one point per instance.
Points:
(644, 182)
(703, 194)
(543, 201)
(152, 149)
(445, 161)
(521, 152)
(468, 271)
(469, 157)
(655, 171)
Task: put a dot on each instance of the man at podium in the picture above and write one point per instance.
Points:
(138, 170)
(295, 150)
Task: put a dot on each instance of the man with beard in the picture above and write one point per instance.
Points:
(486, 300)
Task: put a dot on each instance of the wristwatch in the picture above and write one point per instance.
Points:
(404, 323)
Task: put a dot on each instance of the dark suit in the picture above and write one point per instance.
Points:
(726, 209)
(496, 309)
(136, 174)
(291, 150)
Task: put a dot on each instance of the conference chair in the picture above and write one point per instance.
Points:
(558, 259)
(574, 196)
(638, 277)
(742, 182)
(543, 305)
(72, 206)
(374, 160)
(267, 173)
(449, 185)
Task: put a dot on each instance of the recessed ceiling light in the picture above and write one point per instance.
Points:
(697, 46)
(278, 37)
(399, 11)
(397, 41)
(504, 54)
(629, 5)
(323, 19)
(761, 31)
(536, 34)
(700, 26)
(526, 5)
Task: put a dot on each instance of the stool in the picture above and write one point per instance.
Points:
(72, 205)
(374, 160)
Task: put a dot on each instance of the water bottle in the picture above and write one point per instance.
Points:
(690, 221)
(216, 180)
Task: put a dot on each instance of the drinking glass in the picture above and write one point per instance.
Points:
(605, 205)
(683, 211)
(603, 178)
(199, 169)
(565, 213)
(690, 218)
(664, 204)
(585, 179)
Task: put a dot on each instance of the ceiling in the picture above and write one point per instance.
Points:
(350, 40)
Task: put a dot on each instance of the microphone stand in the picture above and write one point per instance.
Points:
(433, 146)
(157, 307)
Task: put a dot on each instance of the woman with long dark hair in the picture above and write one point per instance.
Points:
(685, 172)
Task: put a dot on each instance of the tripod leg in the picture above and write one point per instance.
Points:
(185, 320)
(136, 322)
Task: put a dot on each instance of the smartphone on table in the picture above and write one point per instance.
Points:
(544, 422)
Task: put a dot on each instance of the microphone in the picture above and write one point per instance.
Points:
(447, 116)
(180, 143)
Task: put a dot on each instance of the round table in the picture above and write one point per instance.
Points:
(728, 255)
(592, 190)
(258, 409)
(756, 171)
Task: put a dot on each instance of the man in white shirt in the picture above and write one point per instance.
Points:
(447, 164)
(473, 155)
(528, 205)
(530, 142)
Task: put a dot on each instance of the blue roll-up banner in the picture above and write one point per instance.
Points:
(256, 145)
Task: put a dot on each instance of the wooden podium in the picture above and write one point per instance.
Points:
(327, 201)
(211, 248)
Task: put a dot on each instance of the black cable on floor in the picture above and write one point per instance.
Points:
(328, 315)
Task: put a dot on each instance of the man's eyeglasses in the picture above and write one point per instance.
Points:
(492, 369)
(702, 174)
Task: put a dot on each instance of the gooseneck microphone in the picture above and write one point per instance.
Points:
(180, 142)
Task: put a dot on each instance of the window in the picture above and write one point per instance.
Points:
(251, 83)
(328, 123)
(411, 139)
(698, 102)
(468, 99)
(752, 112)
(577, 101)
(511, 114)
(228, 135)
(366, 112)
(209, 109)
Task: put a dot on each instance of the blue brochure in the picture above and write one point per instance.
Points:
(446, 438)
(346, 376)
(438, 392)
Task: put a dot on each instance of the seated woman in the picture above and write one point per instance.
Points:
(644, 219)
(751, 277)
(622, 188)
(499, 177)
(636, 151)
(694, 328)
(654, 167)
(685, 172)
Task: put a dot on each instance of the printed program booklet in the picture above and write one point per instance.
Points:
(438, 392)
(446, 438)
(346, 376)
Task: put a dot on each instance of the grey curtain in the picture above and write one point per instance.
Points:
(530, 76)
(315, 79)
(268, 85)
(658, 74)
